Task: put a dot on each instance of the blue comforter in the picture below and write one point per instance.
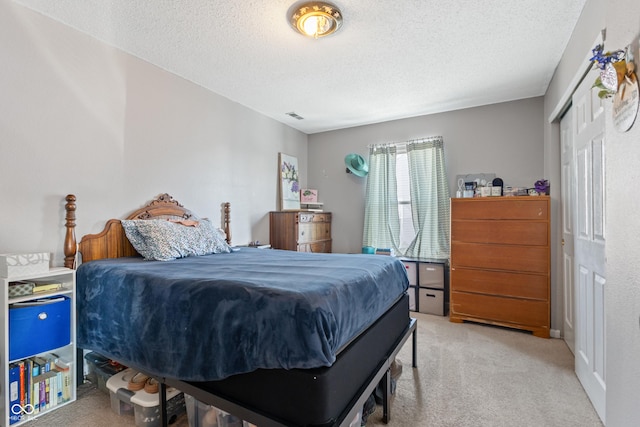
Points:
(209, 317)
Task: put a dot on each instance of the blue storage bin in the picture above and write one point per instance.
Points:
(38, 326)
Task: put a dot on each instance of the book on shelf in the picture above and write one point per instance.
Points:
(22, 383)
(28, 380)
(63, 368)
(14, 393)
(46, 286)
(38, 383)
(47, 393)
(43, 395)
(35, 387)
(18, 288)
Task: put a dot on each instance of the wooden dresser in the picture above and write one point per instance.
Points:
(500, 262)
(300, 231)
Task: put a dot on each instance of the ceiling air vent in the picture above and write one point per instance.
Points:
(295, 116)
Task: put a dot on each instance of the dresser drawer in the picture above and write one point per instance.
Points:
(523, 208)
(500, 309)
(521, 285)
(532, 259)
(313, 217)
(321, 246)
(533, 233)
(312, 231)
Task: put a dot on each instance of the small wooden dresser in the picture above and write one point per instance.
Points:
(500, 262)
(300, 231)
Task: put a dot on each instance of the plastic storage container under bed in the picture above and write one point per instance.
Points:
(144, 406)
(100, 369)
(202, 415)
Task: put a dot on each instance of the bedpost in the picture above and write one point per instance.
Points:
(227, 221)
(70, 246)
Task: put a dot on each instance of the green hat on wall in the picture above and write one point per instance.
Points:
(356, 165)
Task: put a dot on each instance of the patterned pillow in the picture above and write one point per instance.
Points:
(162, 240)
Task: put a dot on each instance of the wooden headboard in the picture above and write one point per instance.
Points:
(112, 241)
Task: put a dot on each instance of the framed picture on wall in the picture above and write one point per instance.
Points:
(289, 184)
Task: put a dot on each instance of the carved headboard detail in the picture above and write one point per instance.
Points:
(112, 242)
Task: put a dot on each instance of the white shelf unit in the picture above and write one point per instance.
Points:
(67, 352)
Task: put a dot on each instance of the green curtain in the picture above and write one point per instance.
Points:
(429, 199)
(381, 221)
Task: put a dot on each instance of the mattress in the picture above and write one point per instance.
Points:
(210, 317)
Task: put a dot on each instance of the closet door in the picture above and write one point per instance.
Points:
(589, 242)
(567, 209)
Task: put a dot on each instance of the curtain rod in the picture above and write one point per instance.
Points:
(411, 141)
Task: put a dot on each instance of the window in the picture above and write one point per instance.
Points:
(407, 199)
(407, 231)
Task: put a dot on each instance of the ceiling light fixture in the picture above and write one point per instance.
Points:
(316, 19)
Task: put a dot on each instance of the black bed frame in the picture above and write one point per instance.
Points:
(382, 375)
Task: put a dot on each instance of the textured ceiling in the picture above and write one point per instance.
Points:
(390, 59)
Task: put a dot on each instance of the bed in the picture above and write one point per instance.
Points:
(278, 338)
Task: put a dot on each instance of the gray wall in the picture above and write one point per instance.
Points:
(622, 294)
(77, 116)
(505, 139)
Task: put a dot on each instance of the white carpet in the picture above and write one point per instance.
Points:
(479, 375)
